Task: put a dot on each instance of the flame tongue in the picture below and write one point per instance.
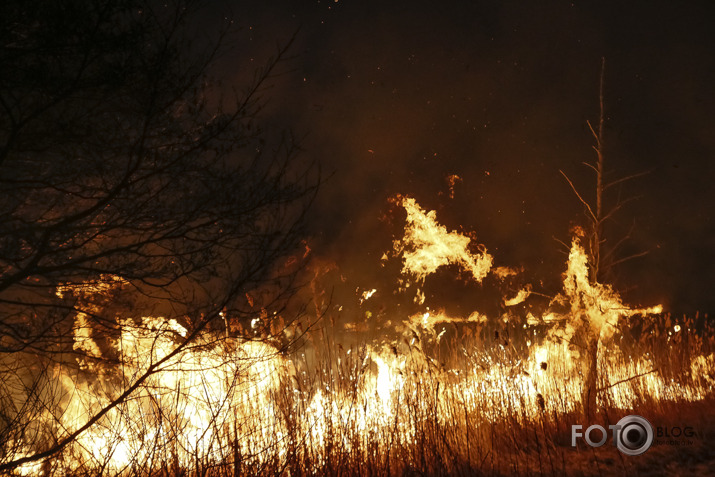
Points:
(427, 246)
(598, 303)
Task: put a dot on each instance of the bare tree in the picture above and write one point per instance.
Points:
(126, 190)
(602, 254)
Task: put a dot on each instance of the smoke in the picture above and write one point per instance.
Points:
(396, 98)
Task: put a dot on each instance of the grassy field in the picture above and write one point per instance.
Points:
(436, 398)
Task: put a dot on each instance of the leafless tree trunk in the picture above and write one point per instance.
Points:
(600, 260)
(593, 335)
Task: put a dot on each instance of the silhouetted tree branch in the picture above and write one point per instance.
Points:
(116, 167)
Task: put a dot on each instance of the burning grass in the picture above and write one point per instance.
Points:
(436, 395)
(474, 405)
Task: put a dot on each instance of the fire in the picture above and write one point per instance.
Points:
(427, 246)
(599, 302)
(239, 403)
(520, 296)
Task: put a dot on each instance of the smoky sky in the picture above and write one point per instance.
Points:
(394, 97)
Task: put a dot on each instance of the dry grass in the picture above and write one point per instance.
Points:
(464, 403)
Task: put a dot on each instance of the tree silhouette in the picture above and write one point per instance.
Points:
(127, 190)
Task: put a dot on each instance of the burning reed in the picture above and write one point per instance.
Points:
(443, 395)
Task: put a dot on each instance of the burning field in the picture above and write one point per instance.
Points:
(346, 390)
(233, 246)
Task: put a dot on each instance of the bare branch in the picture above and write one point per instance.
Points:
(118, 165)
(595, 135)
(591, 166)
(585, 204)
(619, 206)
(625, 380)
(627, 178)
(564, 244)
(629, 257)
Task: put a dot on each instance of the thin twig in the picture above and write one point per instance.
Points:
(627, 178)
(586, 204)
(627, 379)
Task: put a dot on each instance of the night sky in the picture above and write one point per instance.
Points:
(393, 97)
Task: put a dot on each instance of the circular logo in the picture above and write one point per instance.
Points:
(635, 435)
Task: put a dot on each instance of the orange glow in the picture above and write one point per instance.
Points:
(240, 399)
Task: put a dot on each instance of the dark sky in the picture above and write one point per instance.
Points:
(395, 96)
